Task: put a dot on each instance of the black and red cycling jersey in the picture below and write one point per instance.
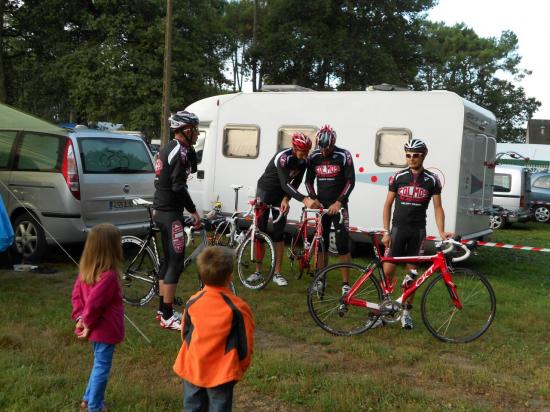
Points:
(412, 196)
(173, 165)
(283, 176)
(335, 176)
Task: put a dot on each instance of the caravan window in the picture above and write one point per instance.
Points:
(389, 147)
(6, 142)
(241, 141)
(502, 183)
(285, 133)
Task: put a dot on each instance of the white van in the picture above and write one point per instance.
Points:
(241, 132)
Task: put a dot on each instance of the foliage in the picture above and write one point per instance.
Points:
(457, 59)
(102, 60)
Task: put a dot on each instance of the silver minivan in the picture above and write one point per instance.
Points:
(57, 186)
(511, 192)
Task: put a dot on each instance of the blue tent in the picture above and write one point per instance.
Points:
(6, 231)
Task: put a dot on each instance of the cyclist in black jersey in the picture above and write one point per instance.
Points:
(173, 165)
(332, 166)
(279, 182)
(411, 189)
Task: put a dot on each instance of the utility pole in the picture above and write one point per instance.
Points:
(254, 42)
(167, 77)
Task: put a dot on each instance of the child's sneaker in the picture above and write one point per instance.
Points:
(279, 280)
(173, 323)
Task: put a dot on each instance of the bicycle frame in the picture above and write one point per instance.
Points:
(439, 264)
(304, 225)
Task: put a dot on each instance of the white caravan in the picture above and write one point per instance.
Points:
(241, 132)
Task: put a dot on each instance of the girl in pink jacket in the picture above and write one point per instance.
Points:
(97, 307)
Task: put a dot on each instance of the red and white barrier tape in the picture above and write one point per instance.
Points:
(497, 244)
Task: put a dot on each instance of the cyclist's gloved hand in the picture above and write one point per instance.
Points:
(446, 235)
(196, 220)
(283, 208)
(334, 208)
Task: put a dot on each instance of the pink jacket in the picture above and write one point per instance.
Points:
(100, 307)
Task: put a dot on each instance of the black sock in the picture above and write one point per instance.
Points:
(161, 303)
(345, 283)
(167, 310)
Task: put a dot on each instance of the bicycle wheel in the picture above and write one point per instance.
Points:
(255, 271)
(296, 256)
(325, 304)
(450, 324)
(221, 236)
(139, 273)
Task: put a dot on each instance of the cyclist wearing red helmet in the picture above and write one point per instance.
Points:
(279, 182)
(411, 189)
(333, 168)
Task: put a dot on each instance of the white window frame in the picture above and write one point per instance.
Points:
(228, 128)
(398, 160)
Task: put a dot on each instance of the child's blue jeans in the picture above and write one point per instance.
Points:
(217, 399)
(103, 359)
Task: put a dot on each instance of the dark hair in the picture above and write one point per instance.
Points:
(215, 264)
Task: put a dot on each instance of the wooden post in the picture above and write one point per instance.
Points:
(167, 77)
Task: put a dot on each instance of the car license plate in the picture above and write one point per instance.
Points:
(120, 204)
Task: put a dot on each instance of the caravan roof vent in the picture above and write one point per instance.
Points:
(284, 88)
(386, 87)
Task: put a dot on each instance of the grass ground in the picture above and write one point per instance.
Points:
(296, 365)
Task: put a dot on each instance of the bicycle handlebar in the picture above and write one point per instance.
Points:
(322, 212)
(454, 243)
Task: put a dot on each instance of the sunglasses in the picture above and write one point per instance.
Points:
(413, 155)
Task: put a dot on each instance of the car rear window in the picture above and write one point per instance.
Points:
(502, 183)
(114, 155)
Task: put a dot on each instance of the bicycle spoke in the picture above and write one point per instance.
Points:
(327, 308)
(448, 323)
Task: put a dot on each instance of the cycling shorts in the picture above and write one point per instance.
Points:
(278, 227)
(406, 241)
(341, 231)
(171, 227)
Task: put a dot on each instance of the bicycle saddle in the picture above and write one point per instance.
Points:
(236, 187)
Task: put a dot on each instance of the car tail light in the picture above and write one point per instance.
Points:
(69, 170)
(522, 201)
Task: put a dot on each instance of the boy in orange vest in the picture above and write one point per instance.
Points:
(217, 337)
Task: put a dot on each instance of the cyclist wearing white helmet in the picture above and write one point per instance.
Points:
(173, 165)
(333, 168)
(411, 189)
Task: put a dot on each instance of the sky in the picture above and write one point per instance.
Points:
(528, 19)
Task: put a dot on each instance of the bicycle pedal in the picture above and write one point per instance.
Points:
(178, 301)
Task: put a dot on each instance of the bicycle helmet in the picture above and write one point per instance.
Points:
(301, 142)
(416, 145)
(183, 118)
(326, 137)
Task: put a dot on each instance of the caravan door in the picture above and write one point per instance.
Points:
(197, 183)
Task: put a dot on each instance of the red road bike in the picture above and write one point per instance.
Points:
(458, 304)
(302, 250)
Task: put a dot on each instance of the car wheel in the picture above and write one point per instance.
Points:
(542, 214)
(496, 222)
(30, 241)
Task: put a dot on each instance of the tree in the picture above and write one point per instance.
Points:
(338, 43)
(457, 59)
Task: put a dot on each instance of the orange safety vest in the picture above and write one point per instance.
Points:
(217, 338)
